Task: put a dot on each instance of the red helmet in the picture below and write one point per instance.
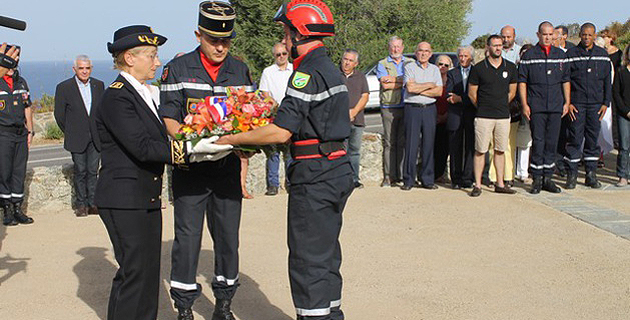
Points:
(308, 17)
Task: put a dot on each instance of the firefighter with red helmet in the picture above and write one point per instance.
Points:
(314, 116)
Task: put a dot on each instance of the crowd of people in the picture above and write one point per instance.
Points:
(522, 113)
(531, 110)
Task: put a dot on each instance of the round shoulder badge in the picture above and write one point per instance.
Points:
(300, 80)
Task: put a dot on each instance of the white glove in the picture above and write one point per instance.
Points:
(207, 145)
(200, 157)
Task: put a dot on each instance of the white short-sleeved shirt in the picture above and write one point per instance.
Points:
(275, 81)
(414, 71)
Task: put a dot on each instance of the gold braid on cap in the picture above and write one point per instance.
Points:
(178, 152)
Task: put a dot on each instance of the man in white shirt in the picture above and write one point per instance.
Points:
(273, 82)
(511, 50)
(75, 98)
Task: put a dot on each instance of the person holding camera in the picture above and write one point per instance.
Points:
(16, 134)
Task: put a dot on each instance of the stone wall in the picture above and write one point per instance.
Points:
(53, 185)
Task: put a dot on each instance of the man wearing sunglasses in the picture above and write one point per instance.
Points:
(273, 82)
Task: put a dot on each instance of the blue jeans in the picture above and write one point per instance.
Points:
(354, 150)
(623, 158)
(273, 166)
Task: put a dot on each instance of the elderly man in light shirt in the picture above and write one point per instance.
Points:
(273, 82)
(423, 84)
(511, 50)
(75, 99)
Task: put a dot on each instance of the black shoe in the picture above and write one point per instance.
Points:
(475, 192)
(591, 180)
(9, 218)
(505, 190)
(549, 185)
(81, 211)
(271, 191)
(561, 172)
(385, 182)
(397, 183)
(358, 185)
(19, 215)
(467, 185)
(429, 186)
(571, 180)
(536, 185)
(455, 186)
(184, 314)
(222, 310)
(406, 187)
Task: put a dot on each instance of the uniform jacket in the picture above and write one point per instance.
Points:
(544, 76)
(134, 148)
(455, 84)
(591, 81)
(186, 82)
(13, 102)
(316, 107)
(71, 114)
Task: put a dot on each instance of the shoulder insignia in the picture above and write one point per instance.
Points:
(116, 85)
(164, 73)
(1, 105)
(300, 80)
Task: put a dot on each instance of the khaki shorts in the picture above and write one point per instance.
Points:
(486, 129)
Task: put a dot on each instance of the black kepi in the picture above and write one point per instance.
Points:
(216, 19)
(133, 36)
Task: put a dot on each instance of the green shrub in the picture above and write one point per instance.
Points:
(53, 132)
(45, 104)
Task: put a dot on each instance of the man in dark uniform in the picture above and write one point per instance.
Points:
(591, 92)
(212, 188)
(16, 133)
(544, 90)
(314, 115)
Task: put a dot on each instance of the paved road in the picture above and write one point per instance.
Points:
(54, 155)
(49, 155)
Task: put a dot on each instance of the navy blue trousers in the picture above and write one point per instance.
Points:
(584, 128)
(545, 130)
(13, 158)
(420, 125)
(314, 225)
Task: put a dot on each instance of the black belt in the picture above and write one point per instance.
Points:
(13, 129)
(314, 149)
(419, 105)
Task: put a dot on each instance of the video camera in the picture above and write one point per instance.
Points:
(5, 60)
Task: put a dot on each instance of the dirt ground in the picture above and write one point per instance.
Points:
(407, 255)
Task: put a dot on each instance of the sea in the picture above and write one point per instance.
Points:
(43, 76)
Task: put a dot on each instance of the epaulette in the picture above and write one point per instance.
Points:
(116, 85)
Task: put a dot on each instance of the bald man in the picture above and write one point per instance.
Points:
(423, 82)
(511, 50)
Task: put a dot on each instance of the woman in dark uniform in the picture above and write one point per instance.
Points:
(134, 148)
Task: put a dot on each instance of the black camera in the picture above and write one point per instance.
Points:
(5, 60)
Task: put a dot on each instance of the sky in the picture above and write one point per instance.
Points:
(61, 29)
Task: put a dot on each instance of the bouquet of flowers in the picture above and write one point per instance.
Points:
(239, 111)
